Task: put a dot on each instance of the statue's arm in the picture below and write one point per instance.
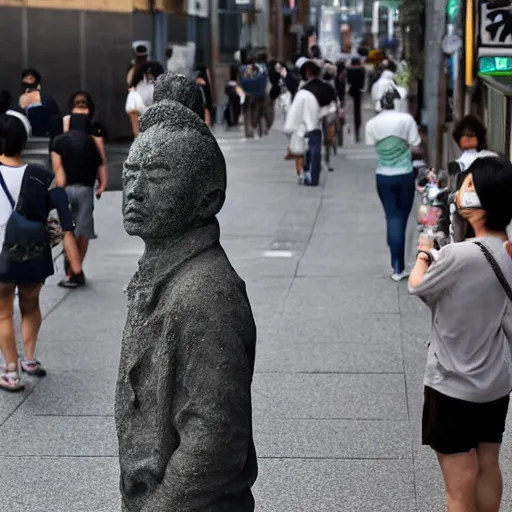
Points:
(213, 413)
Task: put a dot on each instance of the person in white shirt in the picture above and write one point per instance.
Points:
(393, 134)
(315, 100)
(385, 82)
(140, 95)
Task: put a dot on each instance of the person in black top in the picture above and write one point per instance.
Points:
(77, 164)
(356, 76)
(203, 80)
(40, 108)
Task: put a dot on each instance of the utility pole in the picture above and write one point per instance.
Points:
(435, 11)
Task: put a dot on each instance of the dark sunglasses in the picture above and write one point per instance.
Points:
(80, 103)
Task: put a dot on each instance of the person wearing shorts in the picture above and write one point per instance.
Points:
(77, 164)
(468, 377)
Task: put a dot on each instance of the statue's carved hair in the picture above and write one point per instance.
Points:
(179, 88)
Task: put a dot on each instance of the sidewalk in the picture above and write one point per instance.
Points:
(338, 385)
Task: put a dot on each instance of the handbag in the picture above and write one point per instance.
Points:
(496, 268)
(25, 239)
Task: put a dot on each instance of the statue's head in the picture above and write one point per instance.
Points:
(174, 178)
(170, 86)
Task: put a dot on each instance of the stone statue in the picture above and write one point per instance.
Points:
(183, 397)
(179, 88)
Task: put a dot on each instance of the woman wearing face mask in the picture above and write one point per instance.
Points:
(140, 95)
(468, 375)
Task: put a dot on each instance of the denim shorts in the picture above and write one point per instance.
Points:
(81, 199)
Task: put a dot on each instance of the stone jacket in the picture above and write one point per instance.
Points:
(183, 398)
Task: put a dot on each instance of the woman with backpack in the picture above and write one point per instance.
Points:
(27, 195)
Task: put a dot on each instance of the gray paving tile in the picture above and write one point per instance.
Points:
(353, 294)
(68, 393)
(335, 485)
(60, 484)
(340, 439)
(61, 436)
(343, 326)
(330, 396)
(338, 356)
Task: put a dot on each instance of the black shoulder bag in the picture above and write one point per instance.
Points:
(497, 270)
(25, 239)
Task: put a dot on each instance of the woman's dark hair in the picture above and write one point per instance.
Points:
(492, 177)
(471, 124)
(88, 98)
(315, 51)
(356, 61)
(5, 101)
(155, 68)
(31, 72)
(13, 135)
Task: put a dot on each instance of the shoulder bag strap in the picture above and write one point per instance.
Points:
(6, 190)
(497, 270)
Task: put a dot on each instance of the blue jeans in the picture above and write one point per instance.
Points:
(397, 196)
(313, 158)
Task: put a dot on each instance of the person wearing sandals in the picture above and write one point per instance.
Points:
(27, 195)
(468, 375)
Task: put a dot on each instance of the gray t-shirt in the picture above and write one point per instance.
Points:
(469, 356)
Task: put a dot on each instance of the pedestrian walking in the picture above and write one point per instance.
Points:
(393, 133)
(203, 80)
(311, 104)
(253, 80)
(27, 194)
(470, 135)
(385, 82)
(78, 164)
(139, 61)
(468, 375)
(81, 106)
(356, 77)
(140, 95)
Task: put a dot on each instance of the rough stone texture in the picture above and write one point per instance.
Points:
(180, 89)
(183, 398)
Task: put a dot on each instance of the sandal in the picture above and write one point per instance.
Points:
(33, 367)
(10, 381)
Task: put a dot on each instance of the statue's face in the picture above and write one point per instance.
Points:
(161, 189)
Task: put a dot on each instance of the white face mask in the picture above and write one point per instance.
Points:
(470, 199)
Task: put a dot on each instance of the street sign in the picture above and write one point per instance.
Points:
(495, 66)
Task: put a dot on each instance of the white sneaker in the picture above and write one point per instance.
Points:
(300, 178)
(400, 277)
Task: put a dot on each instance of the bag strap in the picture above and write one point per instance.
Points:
(6, 190)
(496, 268)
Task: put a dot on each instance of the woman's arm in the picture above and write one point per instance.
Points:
(102, 170)
(65, 123)
(417, 277)
(59, 201)
(58, 170)
(134, 120)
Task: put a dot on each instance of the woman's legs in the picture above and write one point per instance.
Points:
(461, 474)
(397, 196)
(490, 483)
(7, 339)
(30, 317)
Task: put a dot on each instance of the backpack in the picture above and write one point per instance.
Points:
(25, 240)
(253, 79)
